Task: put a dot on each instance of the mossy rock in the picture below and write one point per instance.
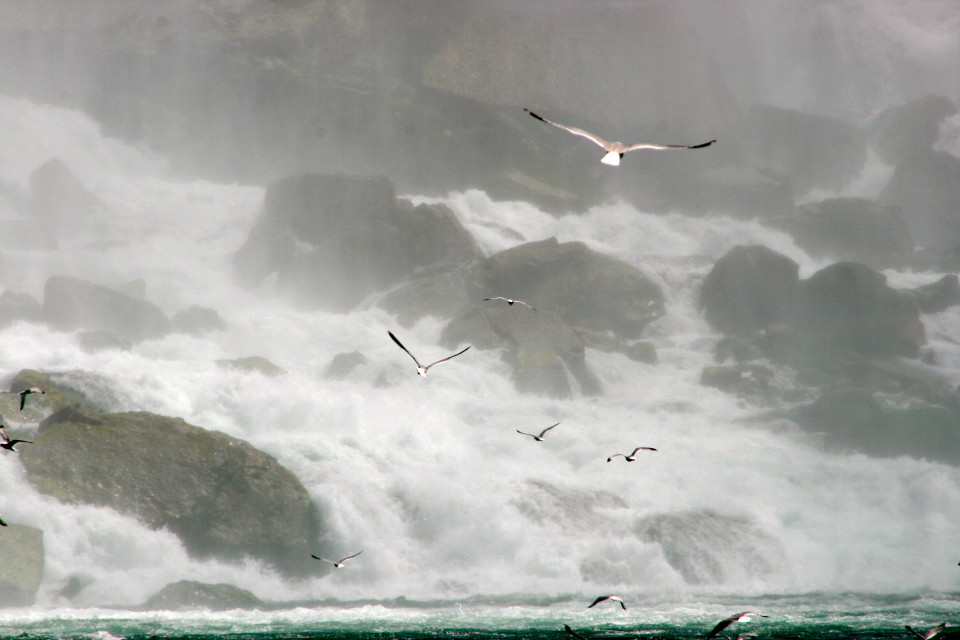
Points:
(220, 495)
(21, 564)
(189, 594)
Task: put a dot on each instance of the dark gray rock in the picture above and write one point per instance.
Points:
(850, 229)
(937, 296)
(333, 240)
(15, 307)
(59, 198)
(901, 131)
(343, 363)
(848, 306)
(197, 320)
(189, 594)
(749, 288)
(793, 143)
(21, 564)
(71, 303)
(927, 187)
(642, 351)
(220, 495)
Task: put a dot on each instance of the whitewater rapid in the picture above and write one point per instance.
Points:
(427, 476)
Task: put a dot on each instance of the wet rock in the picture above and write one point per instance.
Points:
(735, 349)
(441, 291)
(333, 239)
(21, 564)
(642, 351)
(927, 187)
(742, 379)
(850, 307)
(71, 303)
(739, 191)
(901, 131)
(855, 419)
(850, 229)
(59, 199)
(16, 307)
(792, 143)
(343, 363)
(749, 288)
(253, 364)
(221, 496)
(937, 296)
(93, 341)
(709, 548)
(189, 594)
(197, 320)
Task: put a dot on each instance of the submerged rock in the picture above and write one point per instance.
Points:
(904, 130)
(220, 495)
(927, 187)
(71, 303)
(21, 564)
(189, 594)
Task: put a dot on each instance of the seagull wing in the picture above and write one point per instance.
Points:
(597, 601)
(665, 147)
(547, 429)
(641, 449)
(353, 556)
(935, 631)
(400, 344)
(614, 456)
(2, 523)
(525, 433)
(3, 434)
(23, 398)
(496, 298)
(323, 559)
(445, 359)
(595, 139)
(526, 305)
(723, 624)
(567, 628)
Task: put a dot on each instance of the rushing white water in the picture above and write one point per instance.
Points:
(427, 476)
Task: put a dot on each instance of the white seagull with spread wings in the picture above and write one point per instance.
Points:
(743, 616)
(421, 369)
(609, 597)
(510, 302)
(336, 563)
(538, 438)
(615, 150)
(631, 457)
(930, 633)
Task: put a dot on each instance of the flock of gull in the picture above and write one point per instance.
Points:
(614, 152)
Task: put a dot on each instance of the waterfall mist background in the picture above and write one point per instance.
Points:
(176, 116)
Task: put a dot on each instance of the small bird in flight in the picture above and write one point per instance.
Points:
(23, 394)
(931, 633)
(510, 302)
(743, 616)
(538, 438)
(609, 597)
(422, 370)
(337, 563)
(9, 444)
(632, 456)
(615, 150)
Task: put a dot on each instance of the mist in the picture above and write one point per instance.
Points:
(216, 211)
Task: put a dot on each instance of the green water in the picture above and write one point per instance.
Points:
(808, 616)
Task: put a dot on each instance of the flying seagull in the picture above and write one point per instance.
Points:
(743, 616)
(931, 633)
(422, 370)
(576, 635)
(538, 438)
(337, 563)
(9, 444)
(632, 456)
(610, 597)
(510, 301)
(615, 150)
(23, 394)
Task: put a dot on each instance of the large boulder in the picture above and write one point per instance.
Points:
(15, 307)
(749, 288)
(71, 303)
(904, 130)
(21, 564)
(850, 229)
(705, 547)
(59, 200)
(190, 594)
(927, 187)
(334, 239)
(849, 306)
(816, 151)
(220, 495)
